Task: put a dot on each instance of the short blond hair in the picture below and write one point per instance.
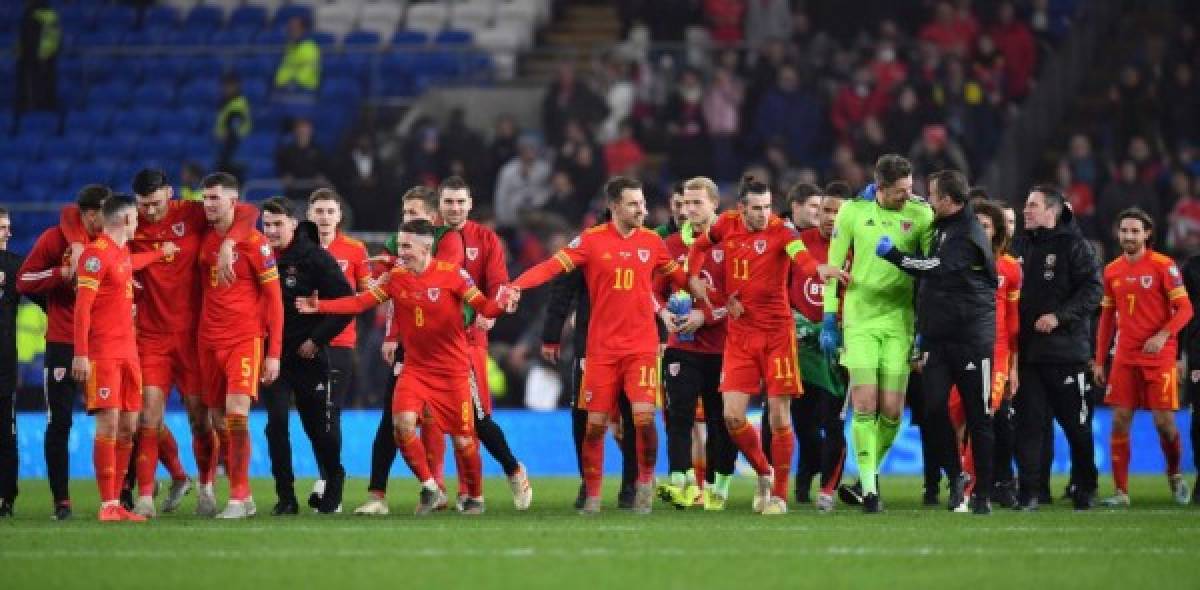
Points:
(703, 183)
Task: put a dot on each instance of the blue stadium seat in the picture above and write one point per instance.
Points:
(99, 38)
(329, 125)
(232, 37)
(10, 174)
(73, 18)
(287, 11)
(264, 191)
(406, 38)
(121, 145)
(192, 121)
(200, 67)
(325, 40)
(38, 193)
(271, 37)
(340, 90)
(248, 16)
(19, 149)
(39, 123)
(70, 67)
(110, 95)
(259, 144)
(89, 122)
(257, 168)
(255, 66)
(139, 120)
(189, 37)
(356, 64)
(171, 143)
(155, 94)
(126, 71)
(200, 94)
(255, 90)
(116, 18)
(267, 117)
(94, 172)
(361, 39)
(72, 147)
(70, 94)
(50, 173)
(164, 17)
(453, 37)
(204, 17)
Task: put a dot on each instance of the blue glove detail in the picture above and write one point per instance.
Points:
(680, 304)
(830, 339)
(868, 192)
(883, 246)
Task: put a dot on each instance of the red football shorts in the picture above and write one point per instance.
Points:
(447, 397)
(1143, 387)
(604, 378)
(230, 370)
(170, 360)
(752, 359)
(114, 384)
(479, 363)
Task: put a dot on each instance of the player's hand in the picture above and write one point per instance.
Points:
(670, 320)
(827, 272)
(1098, 374)
(699, 289)
(1014, 383)
(830, 338)
(270, 370)
(692, 322)
(918, 364)
(307, 304)
(507, 298)
(1155, 343)
(868, 192)
(884, 246)
(734, 307)
(483, 323)
(169, 249)
(550, 353)
(67, 271)
(308, 349)
(80, 369)
(388, 351)
(76, 252)
(1046, 324)
(225, 260)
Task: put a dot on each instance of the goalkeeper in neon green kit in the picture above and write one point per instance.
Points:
(878, 316)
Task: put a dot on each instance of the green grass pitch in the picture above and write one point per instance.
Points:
(1155, 544)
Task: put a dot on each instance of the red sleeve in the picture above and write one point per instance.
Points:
(244, 218)
(91, 270)
(355, 304)
(474, 297)
(564, 260)
(703, 243)
(70, 221)
(1181, 306)
(1013, 314)
(42, 270)
(495, 273)
(1104, 332)
(270, 295)
(361, 269)
(450, 248)
(143, 259)
(669, 268)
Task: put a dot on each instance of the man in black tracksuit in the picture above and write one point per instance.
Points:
(956, 318)
(305, 268)
(566, 290)
(1059, 296)
(10, 263)
(1191, 347)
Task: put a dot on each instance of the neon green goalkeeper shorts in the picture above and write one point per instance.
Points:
(874, 356)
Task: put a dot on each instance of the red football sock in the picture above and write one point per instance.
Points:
(748, 441)
(592, 455)
(470, 465)
(124, 449)
(967, 458)
(238, 459)
(832, 482)
(147, 460)
(433, 439)
(414, 454)
(1119, 449)
(700, 468)
(104, 461)
(204, 447)
(646, 442)
(1172, 450)
(168, 453)
(783, 446)
(460, 469)
(224, 447)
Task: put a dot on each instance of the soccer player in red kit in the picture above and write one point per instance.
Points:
(233, 318)
(49, 271)
(484, 261)
(168, 304)
(619, 259)
(427, 296)
(760, 347)
(1146, 303)
(325, 211)
(105, 349)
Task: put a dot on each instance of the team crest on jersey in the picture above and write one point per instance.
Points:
(673, 369)
(472, 253)
(265, 250)
(466, 276)
(643, 255)
(60, 373)
(1146, 281)
(760, 246)
(433, 293)
(718, 256)
(290, 282)
(178, 228)
(906, 226)
(92, 264)
(343, 264)
(104, 392)
(1050, 260)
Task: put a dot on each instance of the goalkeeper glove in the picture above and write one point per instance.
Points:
(830, 339)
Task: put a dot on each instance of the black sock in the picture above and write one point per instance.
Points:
(497, 446)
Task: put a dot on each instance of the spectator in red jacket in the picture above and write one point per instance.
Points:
(1015, 42)
(950, 31)
(855, 101)
(725, 19)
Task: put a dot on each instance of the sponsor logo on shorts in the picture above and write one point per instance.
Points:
(673, 369)
(472, 253)
(433, 293)
(103, 393)
(60, 373)
(178, 228)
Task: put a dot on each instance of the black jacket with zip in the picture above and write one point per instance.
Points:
(304, 267)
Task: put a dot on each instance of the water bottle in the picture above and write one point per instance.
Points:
(680, 304)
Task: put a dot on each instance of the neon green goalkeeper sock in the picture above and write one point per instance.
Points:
(721, 483)
(689, 478)
(864, 433)
(678, 479)
(888, 428)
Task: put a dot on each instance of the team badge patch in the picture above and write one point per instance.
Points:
(178, 228)
(643, 255)
(104, 393)
(265, 250)
(343, 264)
(466, 276)
(906, 226)
(433, 293)
(673, 369)
(1146, 281)
(290, 282)
(718, 256)
(472, 253)
(60, 373)
(760, 246)
(92, 264)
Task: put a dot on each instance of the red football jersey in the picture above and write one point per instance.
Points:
(234, 313)
(41, 274)
(806, 290)
(619, 272)
(756, 270)
(104, 302)
(449, 248)
(351, 256)
(168, 301)
(1145, 295)
(1008, 299)
(427, 310)
(710, 338)
(483, 258)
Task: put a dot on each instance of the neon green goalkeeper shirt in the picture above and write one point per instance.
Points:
(880, 296)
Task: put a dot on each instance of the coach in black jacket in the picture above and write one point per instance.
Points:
(1059, 296)
(10, 262)
(1191, 347)
(956, 318)
(304, 268)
